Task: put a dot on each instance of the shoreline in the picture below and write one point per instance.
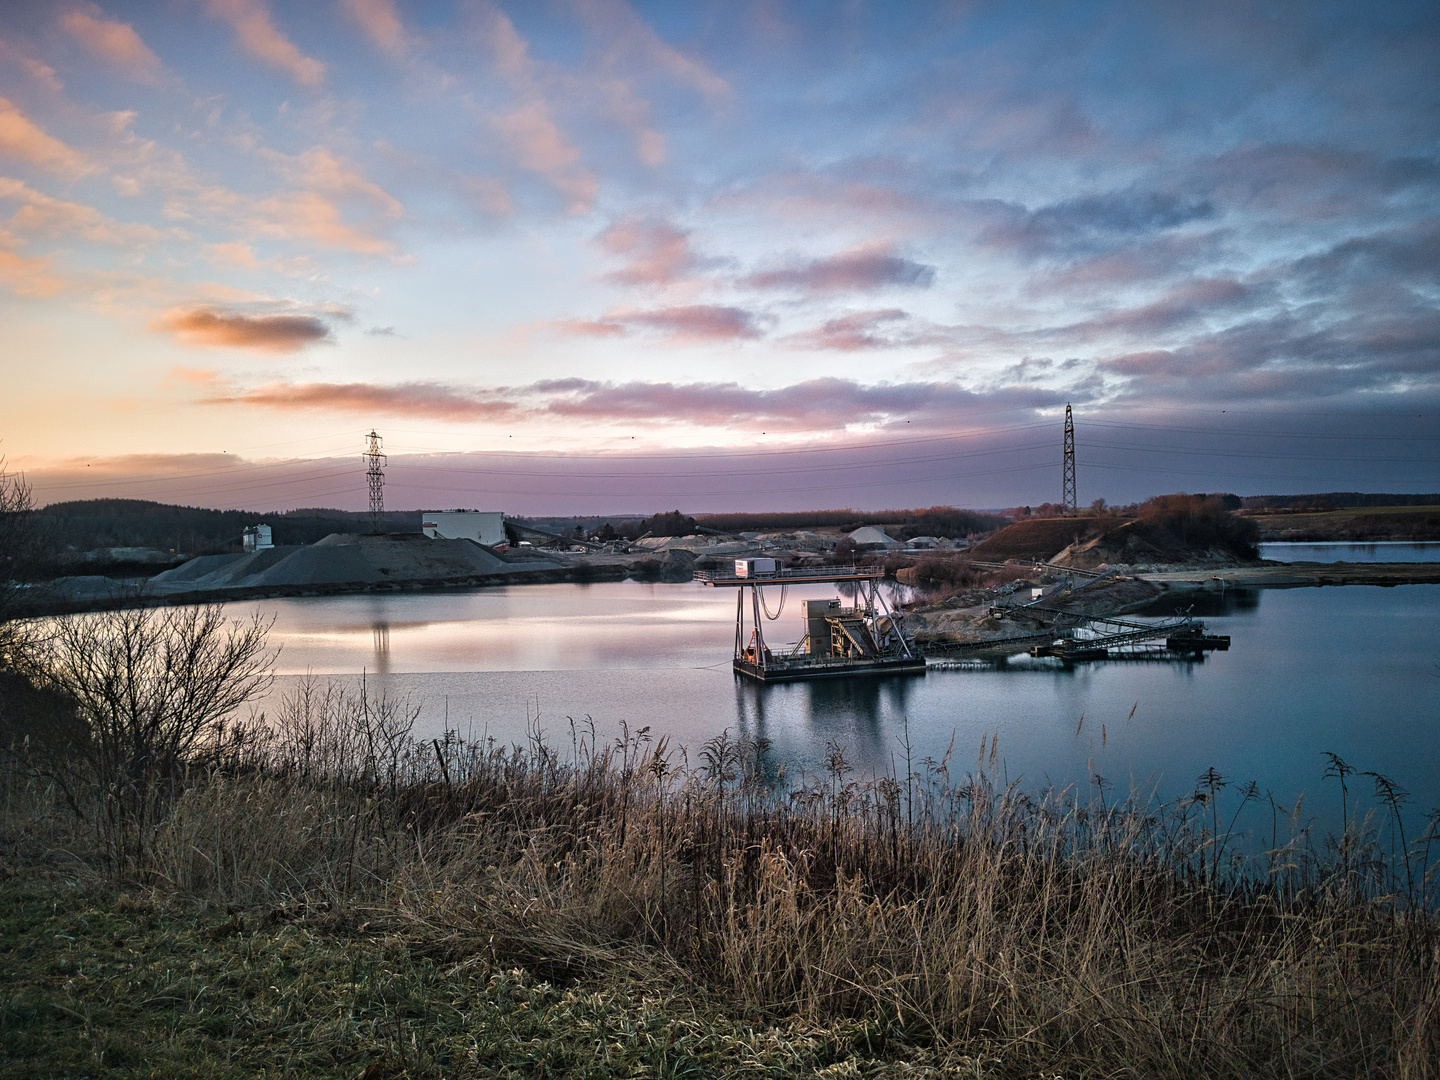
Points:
(126, 593)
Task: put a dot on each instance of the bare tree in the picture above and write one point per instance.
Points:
(152, 689)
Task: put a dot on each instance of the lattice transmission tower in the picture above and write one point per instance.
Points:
(1067, 498)
(375, 472)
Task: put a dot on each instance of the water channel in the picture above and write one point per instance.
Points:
(1354, 671)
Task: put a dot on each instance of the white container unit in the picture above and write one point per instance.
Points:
(753, 568)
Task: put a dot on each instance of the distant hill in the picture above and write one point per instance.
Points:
(1335, 500)
(901, 524)
(89, 524)
(1360, 524)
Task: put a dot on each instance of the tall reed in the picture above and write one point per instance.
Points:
(1052, 929)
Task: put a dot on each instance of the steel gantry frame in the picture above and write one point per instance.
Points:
(870, 602)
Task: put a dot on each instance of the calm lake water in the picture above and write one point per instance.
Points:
(1337, 551)
(1354, 671)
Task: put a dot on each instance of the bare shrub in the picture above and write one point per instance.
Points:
(152, 689)
(940, 571)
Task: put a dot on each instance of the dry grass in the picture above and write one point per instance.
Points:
(668, 912)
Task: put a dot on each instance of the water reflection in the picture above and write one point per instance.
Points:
(857, 713)
(1205, 603)
(1344, 670)
(1345, 551)
(381, 634)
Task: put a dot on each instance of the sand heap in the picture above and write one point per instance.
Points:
(346, 559)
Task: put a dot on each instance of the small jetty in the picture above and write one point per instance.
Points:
(860, 637)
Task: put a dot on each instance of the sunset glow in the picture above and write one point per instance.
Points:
(591, 256)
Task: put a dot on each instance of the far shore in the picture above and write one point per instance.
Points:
(109, 594)
(1291, 575)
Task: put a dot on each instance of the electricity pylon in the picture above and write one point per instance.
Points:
(1067, 498)
(375, 473)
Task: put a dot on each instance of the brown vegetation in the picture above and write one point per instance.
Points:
(948, 916)
(1360, 525)
(1167, 528)
(932, 521)
(1034, 539)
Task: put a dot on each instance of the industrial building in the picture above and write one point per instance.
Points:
(483, 526)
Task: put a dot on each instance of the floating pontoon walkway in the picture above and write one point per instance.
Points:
(820, 575)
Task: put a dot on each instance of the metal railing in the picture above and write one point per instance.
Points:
(792, 575)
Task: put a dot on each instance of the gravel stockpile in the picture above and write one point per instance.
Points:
(343, 559)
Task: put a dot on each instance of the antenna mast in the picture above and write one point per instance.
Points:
(1067, 498)
(375, 472)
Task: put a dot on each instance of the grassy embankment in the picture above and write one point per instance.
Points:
(331, 898)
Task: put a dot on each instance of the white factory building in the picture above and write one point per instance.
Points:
(484, 526)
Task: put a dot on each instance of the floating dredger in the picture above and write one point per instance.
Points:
(862, 636)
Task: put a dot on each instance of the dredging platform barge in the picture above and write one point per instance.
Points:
(864, 638)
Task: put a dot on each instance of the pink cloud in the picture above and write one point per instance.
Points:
(697, 322)
(428, 400)
(258, 35)
(816, 405)
(657, 252)
(19, 138)
(42, 215)
(218, 328)
(321, 170)
(631, 40)
(381, 22)
(28, 276)
(116, 43)
(309, 215)
(860, 269)
(597, 328)
(487, 193)
(540, 147)
(853, 332)
(682, 324)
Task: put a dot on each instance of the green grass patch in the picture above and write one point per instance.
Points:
(100, 983)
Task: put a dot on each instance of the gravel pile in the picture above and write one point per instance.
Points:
(344, 559)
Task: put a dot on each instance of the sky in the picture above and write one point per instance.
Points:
(590, 256)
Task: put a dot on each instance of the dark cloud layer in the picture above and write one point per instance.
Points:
(861, 270)
(1093, 222)
(217, 327)
(682, 324)
(819, 405)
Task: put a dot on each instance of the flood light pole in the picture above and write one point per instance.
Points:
(375, 473)
(1067, 498)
